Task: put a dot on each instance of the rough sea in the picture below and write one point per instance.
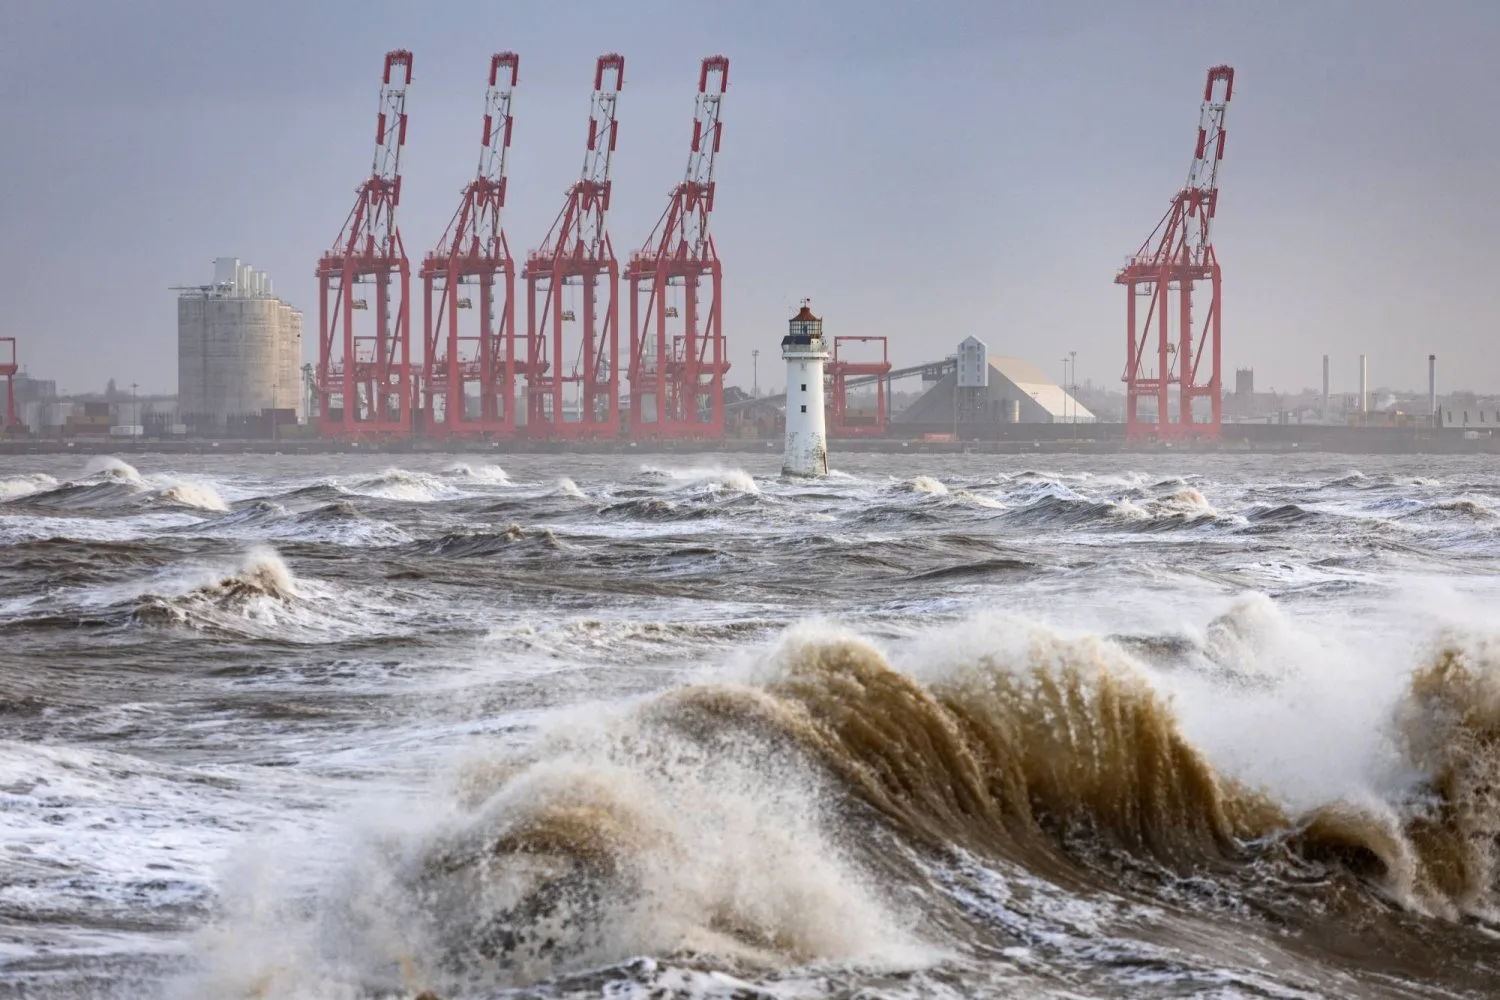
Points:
(1158, 726)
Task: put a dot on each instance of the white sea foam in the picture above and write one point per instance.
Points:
(403, 484)
(926, 484)
(714, 478)
(479, 473)
(728, 850)
(109, 467)
(194, 493)
(20, 486)
(30, 528)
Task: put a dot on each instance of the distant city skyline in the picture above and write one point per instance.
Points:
(925, 173)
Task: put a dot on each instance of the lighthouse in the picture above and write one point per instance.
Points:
(806, 433)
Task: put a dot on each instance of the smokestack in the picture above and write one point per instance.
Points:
(1432, 386)
(1364, 386)
(1325, 387)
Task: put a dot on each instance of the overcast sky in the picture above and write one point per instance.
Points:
(923, 171)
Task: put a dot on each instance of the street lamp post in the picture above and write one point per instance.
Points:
(1064, 388)
(755, 374)
(1073, 392)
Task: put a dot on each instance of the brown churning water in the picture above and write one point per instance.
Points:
(331, 729)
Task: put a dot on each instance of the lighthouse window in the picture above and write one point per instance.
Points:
(804, 407)
(804, 386)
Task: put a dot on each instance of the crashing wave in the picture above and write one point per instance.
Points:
(714, 478)
(925, 484)
(403, 484)
(479, 474)
(20, 486)
(199, 495)
(713, 819)
(109, 467)
(261, 583)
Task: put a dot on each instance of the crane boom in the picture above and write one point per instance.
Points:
(364, 378)
(677, 366)
(576, 252)
(371, 226)
(470, 366)
(1178, 253)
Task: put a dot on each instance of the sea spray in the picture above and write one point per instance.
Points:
(200, 495)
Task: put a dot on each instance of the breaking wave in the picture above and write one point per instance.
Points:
(256, 590)
(479, 473)
(714, 478)
(403, 484)
(20, 486)
(925, 484)
(711, 820)
(194, 494)
(109, 467)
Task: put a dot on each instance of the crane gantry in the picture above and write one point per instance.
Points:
(369, 373)
(1161, 275)
(469, 370)
(678, 356)
(576, 254)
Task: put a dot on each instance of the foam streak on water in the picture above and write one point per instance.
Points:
(1156, 726)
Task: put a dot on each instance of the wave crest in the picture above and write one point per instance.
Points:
(1449, 729)
(20, 486)
(109, 467)
(262, 579)
(479, 473)
(737, 480)
(194, 494)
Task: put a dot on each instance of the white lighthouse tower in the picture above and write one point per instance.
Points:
(806, 432)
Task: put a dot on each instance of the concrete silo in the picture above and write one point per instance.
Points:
(239, 349)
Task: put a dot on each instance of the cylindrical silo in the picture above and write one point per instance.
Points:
(239, 352)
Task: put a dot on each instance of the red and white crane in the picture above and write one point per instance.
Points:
(581, 401)
(1159, 280)
(678, 353)
(364, 378)
(469, 370)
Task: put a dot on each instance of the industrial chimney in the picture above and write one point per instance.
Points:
(1432, 387)
(1364, 386)
(1325, 388)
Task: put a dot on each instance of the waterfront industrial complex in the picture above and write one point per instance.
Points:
(572, 345)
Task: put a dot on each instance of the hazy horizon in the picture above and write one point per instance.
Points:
(979, 171)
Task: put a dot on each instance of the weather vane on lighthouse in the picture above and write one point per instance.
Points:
(806, 436)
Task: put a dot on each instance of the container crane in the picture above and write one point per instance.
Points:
(677, 366)
(369, 373)
(577, 254)
(1159, 280)
(472, 269)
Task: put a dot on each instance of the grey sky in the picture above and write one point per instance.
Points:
(921, 171)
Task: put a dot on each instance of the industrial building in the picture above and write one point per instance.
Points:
(982, 389)
(239, 349)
